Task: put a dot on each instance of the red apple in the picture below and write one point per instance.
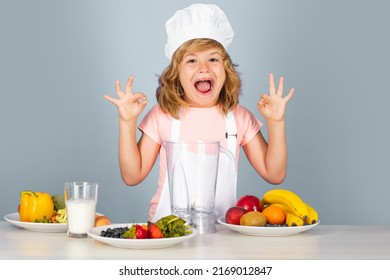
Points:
(233, 215)
(250, 203)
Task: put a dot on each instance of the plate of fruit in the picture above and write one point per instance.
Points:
(280, 212)
(166, 232)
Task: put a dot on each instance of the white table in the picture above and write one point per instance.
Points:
(324, 242)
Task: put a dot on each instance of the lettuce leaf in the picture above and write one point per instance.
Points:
(173, 226)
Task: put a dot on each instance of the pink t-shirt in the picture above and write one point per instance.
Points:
(196, 124)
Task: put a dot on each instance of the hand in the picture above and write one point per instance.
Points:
(273, 106)
(129, 105)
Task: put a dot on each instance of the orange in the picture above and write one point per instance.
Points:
(274, 215)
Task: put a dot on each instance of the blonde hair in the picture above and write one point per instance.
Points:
(170, 93)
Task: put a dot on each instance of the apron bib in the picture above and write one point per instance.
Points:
(224, 198)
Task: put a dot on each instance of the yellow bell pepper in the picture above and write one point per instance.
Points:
(35, 206)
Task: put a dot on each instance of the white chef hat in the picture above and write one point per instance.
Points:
(197, 21)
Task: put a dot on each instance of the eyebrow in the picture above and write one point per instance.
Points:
(193, 54)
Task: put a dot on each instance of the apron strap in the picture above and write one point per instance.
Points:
(175, 129)
(231, 133)
(227, 184)
(164, 204)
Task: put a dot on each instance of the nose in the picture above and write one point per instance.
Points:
(203, 67)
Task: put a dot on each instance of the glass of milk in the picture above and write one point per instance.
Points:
(80, 199)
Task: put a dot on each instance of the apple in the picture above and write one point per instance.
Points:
(234, 214)
(250, 203)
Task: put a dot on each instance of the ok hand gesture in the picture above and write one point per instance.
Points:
(273, 106)
(129, 105)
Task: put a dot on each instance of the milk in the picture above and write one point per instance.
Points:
(81, 216)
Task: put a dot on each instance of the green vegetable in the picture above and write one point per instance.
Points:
(130, 233)
(59, 202)
(43, 220)
(173, 226)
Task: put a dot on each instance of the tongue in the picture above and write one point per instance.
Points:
(203, 86)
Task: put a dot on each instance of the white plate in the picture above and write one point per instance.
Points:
(156, 243)
(266, 231)
(41, 227)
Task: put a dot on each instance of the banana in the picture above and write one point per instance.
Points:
(288, 198)
(293, 220)
(284, 207)
(312, 215)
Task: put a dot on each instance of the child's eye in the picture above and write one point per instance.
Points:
(192, 60)
(213, 59)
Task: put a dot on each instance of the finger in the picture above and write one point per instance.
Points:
(264, 99)
(272, 89)
(280, 87)
(262, 103)
(142, 100)
(112, 100)
(118, 89)
(129, 85)
(289, 95)
(140, 97)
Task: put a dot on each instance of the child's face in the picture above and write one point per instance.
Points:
(202, 76)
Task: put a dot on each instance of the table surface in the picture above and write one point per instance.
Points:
(323, 242)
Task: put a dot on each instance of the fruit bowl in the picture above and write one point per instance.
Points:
(267, 230)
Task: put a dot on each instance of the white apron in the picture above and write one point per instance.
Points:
(225, 196)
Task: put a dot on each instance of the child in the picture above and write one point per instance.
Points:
(198, 100)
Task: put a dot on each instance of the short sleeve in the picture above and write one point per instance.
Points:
(156, 124)
(248, 125)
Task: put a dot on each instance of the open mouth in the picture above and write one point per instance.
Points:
(204, 85)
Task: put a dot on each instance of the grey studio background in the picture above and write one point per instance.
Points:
(58, 59)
